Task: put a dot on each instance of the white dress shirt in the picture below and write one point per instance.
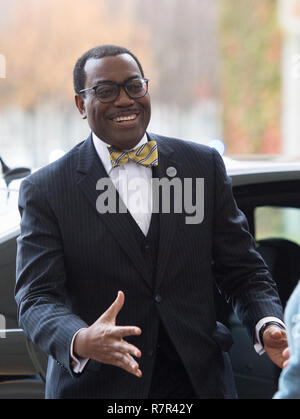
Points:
(133, 183)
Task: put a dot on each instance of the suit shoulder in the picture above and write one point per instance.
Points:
(177, 144)
(185, 150)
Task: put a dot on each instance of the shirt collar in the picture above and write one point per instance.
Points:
(102, 151)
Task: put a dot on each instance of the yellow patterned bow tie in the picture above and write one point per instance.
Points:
(146, 154)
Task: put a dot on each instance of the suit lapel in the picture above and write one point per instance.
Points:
(90, 169)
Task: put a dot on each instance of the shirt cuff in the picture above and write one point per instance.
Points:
(258, 346)
(77, 363)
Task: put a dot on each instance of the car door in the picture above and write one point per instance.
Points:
(271, 203)
(22, 364)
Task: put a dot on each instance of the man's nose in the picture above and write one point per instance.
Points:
(123, 99)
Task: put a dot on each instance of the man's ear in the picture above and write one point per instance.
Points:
(80, 105)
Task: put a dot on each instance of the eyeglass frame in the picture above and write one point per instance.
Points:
(119, 85)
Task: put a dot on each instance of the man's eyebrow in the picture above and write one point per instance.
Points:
(111, 81)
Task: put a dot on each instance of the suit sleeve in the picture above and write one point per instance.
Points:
(241, 273)
(40, 292)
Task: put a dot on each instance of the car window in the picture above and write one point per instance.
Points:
(281, 222)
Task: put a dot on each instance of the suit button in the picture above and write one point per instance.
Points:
(158, 298)
(150, 352)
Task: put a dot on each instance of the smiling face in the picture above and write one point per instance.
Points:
(121, 123)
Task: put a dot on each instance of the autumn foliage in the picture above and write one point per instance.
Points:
(250, 69)
(41, 40)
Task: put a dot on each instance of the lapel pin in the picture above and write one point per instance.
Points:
(171, 171)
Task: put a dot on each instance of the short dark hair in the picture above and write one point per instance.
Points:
(96, 53)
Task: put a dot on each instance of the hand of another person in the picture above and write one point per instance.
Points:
(103, 340)
(275, 343)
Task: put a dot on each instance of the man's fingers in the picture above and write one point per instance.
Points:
(111, 313)
(285, 364)
(127, 348)
(123, 331)
(274, 334)
(109, 346)
(286, 357)
(274, 330)
(120, 332)
(126, 362)
(286, 353)
(275, 341)
(120, 355)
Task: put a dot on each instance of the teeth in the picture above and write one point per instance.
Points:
(125, 118)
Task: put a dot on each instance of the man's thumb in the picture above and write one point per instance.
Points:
(111, 313)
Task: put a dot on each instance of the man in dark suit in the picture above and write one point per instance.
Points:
(123, 300)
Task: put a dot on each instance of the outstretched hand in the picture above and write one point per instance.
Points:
(275, 343)
(103, 340)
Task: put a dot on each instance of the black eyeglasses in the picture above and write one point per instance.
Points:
(109, 91)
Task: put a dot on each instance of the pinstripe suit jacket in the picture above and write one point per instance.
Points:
(72, 260)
